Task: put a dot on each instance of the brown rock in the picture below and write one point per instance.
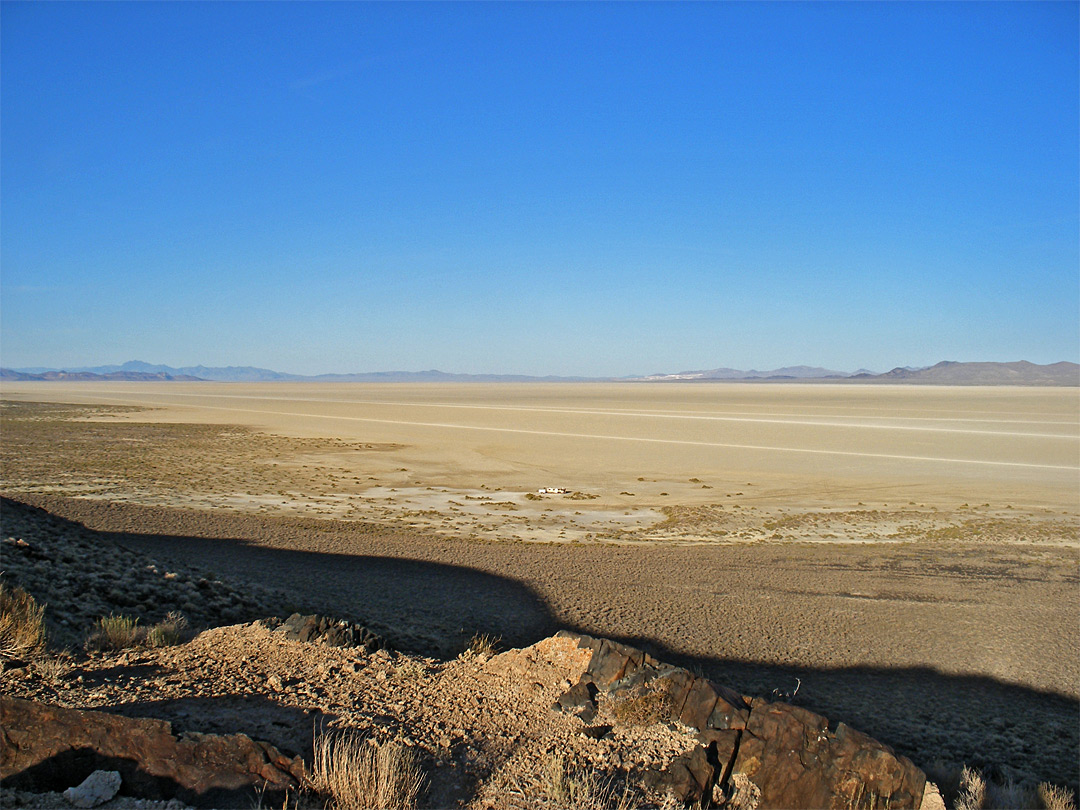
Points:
(50, 748)
(608, 664)
(730, 711)
(677, 683)
(699, 704)
(787, 753)
(726, 742)
(796, 761)
(689, 778)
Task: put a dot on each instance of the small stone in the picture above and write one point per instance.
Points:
(274, 682)
(97, 788)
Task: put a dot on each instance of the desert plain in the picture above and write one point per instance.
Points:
(907, 554)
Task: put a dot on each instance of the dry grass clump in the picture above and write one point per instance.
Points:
(113, 632)
(976, 792)
(169, 632)
(22, 623)
(482, 646)
(642, 710)
(1053, 797)
(52, 669)
(355, 773)
(864, 799)
(569, 788)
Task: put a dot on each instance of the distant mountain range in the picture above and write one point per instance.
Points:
(136, 370)
(52, 374)
(945, 373)
(952, 373)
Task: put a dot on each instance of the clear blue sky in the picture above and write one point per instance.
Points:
(568, 188)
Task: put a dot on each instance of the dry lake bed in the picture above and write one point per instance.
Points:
(910, 552)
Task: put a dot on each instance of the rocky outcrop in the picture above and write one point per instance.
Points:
(793, 758)
(46, 748)
(332, 632)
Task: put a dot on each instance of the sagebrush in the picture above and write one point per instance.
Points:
(113, 632)
(355, 773)
(168, 632)
(570, 788)
(22, 623)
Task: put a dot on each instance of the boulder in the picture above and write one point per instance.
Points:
(332, 632)
(97, 788)
(783, 755)
(580, 700)
(49, 748)
(797, 761)
(690, 777)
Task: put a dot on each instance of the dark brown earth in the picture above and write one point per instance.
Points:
(958, 653)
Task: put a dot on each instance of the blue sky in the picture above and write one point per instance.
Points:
(568, 188)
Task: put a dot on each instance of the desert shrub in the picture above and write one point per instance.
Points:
(570, 788)
(22, 623)
(52, 669)
(169, 632)
(355, 773)
(1009, 796)
(972, 794)
(113, 632)
(482, 646)
(642, 710)
(968, 789)
(1052, 797)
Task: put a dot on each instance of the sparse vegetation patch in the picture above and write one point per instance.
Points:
(168, 632)
(22, 623)
(113, 632)
(355, 773)
(642, 710)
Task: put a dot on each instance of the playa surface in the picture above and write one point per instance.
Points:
(468, 459)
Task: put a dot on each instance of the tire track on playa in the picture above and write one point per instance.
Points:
(600, 436)
(673, 415)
